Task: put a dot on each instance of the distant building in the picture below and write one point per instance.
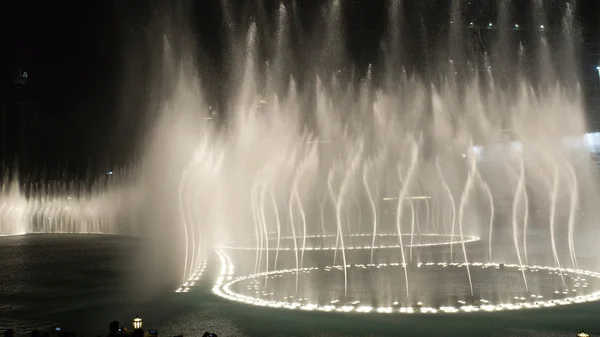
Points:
(591, 83)
(19, 120)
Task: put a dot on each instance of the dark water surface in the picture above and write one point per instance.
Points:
(75, 281)
(83, 282)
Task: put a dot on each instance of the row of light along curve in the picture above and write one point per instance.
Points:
(185, 287)
(225, 281)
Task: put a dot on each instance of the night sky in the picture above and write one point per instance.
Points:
(76, 55)
(72, 54)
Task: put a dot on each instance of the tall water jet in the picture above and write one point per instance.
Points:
(366, 169)
(520, 190)
(488, 192)
(277, 225)
(553, 200)
(264, 228)
(461, 212)
(294, 237)
(405, 181)
(573, 201)
(452, 204)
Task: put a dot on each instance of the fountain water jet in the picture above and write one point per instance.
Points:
(516, 203)
(405, 181)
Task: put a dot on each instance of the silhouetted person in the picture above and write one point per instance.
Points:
(45, 334)
(138, 333)
(113, 327)
(9, 333)
(36, 333)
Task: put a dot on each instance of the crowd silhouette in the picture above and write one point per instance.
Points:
(115, 330)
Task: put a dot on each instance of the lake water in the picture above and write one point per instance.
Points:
(83, 282)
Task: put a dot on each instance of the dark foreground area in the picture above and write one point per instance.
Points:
(82, 283)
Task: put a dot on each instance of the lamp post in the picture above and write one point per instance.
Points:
(137, 323)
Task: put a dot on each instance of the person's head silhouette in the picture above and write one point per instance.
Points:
(114, 327)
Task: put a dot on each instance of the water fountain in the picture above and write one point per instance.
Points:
(100, 206)
(362, 189)
(387, 188)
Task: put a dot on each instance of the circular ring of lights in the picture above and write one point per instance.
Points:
(226, 281)
(451, 240)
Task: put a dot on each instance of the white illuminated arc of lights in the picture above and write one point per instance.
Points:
(185, 287)
(64, 232)
(452, 240)
(225, 280)
(13, 234)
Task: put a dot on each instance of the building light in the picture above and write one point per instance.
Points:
(542, 27)
(490, 25)
(517, 26)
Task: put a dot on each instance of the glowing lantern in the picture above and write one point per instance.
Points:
(137, 323)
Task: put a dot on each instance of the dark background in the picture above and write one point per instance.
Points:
(79, 101)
